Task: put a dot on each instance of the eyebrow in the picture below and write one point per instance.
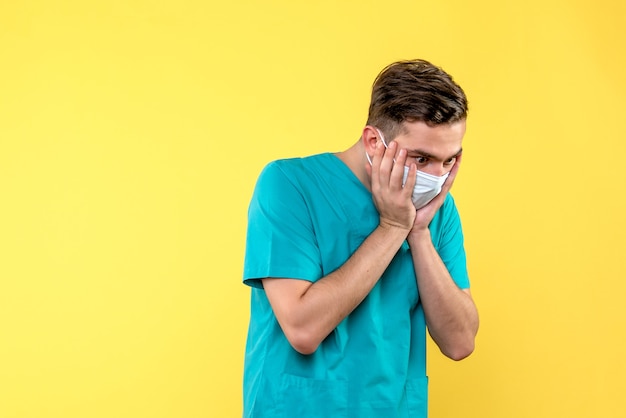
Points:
(428, 155)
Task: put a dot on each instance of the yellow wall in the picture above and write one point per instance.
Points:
(131, 135)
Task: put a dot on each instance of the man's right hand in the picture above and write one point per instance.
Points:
(392, 200)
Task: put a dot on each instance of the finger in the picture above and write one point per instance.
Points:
(375, 168)
(387, 163)
(411, 179)
(382, 164)
(450, 180)
(456, 166)
(445, 188)
(397, 174)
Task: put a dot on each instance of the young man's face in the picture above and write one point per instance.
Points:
(433, 148)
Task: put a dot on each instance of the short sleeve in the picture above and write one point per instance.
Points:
(451, 247)
(280, 240)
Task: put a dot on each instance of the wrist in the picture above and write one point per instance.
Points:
(394, 226)
(419, 236)
(393, 231)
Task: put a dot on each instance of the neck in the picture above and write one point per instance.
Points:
(354, 158)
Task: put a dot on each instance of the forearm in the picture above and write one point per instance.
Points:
(450, 312)
(309, 313)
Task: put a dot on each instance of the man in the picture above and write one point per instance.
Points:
(352, 256)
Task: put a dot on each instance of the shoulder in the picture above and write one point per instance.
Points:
(448, 209)
(293, 170)
(446, 218)
(449, 205)
(291, 165)
(288, 178)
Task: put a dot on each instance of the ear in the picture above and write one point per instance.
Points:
(370, 137)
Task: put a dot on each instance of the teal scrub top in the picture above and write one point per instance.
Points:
(307, 216)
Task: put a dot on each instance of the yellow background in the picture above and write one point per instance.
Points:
(131, 136)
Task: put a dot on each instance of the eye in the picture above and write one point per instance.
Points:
(450, 161)
(421, 160)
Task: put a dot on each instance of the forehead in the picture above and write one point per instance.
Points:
(442, 141)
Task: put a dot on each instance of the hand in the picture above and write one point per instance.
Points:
(425, 215)
(392, 200)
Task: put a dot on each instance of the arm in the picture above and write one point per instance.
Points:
(308, 312)
(450, 312)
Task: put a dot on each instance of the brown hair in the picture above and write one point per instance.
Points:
(414, 91)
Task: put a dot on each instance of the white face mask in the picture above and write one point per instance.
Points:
(426, 187)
